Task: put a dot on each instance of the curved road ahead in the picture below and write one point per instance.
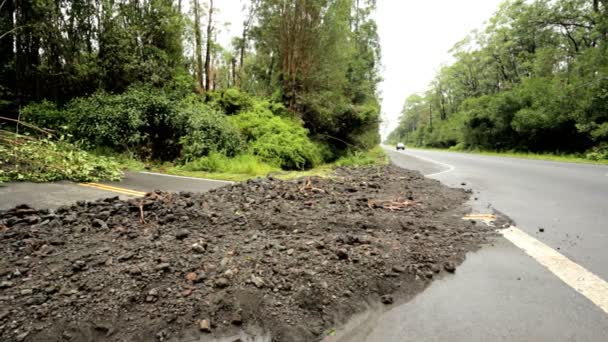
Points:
(568, 200)
(500, 293)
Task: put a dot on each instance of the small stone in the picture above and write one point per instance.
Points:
(204, 326)
(387, 299)
(222, 283)
(6, 284)
(463, 183)
(540, 229)
(100, 224)
(78, 265)
(125, 257)
(342, 254)
(26, 292)
(134, 270)
(257, 281)
(198, 248)
(237, 318)
(398, 269)
(162, 266)
(449, 266)
(229, 274)
(290, 251)
(182, 234)
(191, 276)
(50, 289)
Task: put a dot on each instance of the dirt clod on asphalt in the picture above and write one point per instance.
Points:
(292, 258)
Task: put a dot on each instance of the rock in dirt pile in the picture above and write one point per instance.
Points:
(288, 257)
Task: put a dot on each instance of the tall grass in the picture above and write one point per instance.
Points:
(244, 164)
(375, 156)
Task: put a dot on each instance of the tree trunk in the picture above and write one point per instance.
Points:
(208, 52)
(7, 55)
(198, 45)
(233, 62)
(242, 53)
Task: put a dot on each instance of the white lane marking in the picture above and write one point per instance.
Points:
(450, 167)
(580, 279)
(174, 176)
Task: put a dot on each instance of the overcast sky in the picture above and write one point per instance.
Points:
(415, 38)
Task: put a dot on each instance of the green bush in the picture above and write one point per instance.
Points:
(141, 120)
(207, 131)
(45, 161)
(276, 140)
(599, 152)
(232, 101)
(242, 164)
(46, 115)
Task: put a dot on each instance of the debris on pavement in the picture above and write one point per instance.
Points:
(293, 258)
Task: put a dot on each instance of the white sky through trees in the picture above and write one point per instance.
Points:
(415, 35)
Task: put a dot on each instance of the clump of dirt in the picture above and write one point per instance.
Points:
(289, 257)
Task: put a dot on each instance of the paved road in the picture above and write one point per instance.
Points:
(500, 293)
(569, 201)
(53, 195)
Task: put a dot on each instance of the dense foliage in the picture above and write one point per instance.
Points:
(278, 141)
(25, 159)
(535, 80)
(149, 78)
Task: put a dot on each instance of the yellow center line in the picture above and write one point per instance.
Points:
(482, 216)
(114, 189)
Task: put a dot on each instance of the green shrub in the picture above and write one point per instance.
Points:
(242, 164)
(232, 101)
(207, 131)
(276, 140)
(141, 120)
(599, 152)
(45, 161)
(45, 114)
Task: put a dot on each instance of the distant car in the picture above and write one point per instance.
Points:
(400, 146)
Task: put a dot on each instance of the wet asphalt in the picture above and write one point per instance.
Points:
(500, 293)
(53, 195)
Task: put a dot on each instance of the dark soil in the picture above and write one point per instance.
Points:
(290, 257)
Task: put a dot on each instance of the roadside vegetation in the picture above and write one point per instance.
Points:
(148, 85)
(564, 157)
(533, 83)
(23, 158)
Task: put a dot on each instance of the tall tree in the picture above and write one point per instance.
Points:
(208, 50)
(199, 74)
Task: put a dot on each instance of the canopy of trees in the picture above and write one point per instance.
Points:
(318, 58)
(536, 79)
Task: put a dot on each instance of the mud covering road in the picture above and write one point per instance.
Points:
(289, 258)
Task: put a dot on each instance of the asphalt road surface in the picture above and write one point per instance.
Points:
(501, 293)
(53, 195)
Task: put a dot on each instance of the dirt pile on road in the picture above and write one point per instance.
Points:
(288, 257)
